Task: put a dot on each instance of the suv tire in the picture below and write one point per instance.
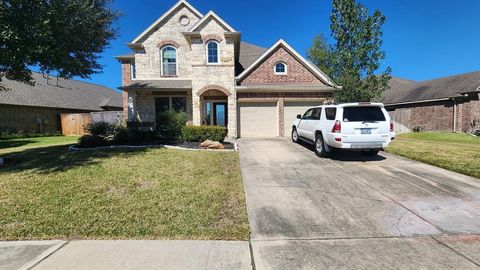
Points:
(294, 135)
(320, 146)
(370, 153)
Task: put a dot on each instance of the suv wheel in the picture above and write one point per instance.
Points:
(320, 146)
(294, 135)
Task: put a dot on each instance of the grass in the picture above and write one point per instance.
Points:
(452, 151)
(49, 193)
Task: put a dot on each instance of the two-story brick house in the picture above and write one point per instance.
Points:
(196, 63)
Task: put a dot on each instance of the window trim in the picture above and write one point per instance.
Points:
(170, 102)
(218, 52)
(133, 70)
(161, 61)
(280, 73)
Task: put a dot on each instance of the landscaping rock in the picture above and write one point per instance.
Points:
(212, 145)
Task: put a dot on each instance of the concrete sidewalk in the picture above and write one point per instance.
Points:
(127, 254)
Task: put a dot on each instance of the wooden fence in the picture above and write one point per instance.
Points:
(74, 123)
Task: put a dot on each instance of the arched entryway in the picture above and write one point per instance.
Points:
(214, 107)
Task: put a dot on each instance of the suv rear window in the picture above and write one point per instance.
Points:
(330, 113)
(361, 114)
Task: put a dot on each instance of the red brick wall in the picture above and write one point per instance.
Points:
(468, 116)
(264, 73)
(430, 116)
(126, 80)
(24, 118)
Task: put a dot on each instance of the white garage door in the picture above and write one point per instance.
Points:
(291, 109)
(258, 120)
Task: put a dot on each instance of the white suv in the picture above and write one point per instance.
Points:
(360, 126)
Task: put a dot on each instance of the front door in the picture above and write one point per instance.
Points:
(220, 117)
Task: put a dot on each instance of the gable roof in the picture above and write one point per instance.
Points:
(67, 94)
(402, 91)
(249, 53)
(292, 51)
(213, 15)
(181, 3)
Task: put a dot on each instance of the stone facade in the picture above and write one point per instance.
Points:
(215, 83)
(296, 72)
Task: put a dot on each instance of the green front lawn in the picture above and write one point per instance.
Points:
(453, 151)
(49, 193)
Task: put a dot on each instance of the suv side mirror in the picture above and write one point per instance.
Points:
(299, 116)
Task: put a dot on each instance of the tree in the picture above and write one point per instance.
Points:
(355, 57)
(61, 36)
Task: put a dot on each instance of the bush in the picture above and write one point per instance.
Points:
(120, 134)
(21, 135)
(87, 141)
(100, 129)
(136, 136)
(170, 124)
(202, 133)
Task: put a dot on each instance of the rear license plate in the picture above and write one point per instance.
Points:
(366, 131)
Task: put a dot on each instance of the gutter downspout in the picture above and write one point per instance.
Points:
(454, 115)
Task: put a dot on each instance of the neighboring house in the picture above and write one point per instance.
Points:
(444, 104)
(196, 63)
(37, 108)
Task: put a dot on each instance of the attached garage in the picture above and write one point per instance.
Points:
(258, 119)
(292, 109)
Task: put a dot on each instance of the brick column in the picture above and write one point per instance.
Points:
(281, 118)
(126, 80)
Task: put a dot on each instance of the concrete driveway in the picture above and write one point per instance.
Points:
(353, 212)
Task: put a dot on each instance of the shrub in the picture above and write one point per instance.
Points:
(170, 124)
(136, 136)
(21, 135)
(100, 129)
(202, 133)
(120, 134)
(87, 141)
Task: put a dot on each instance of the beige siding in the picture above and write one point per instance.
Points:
(291, 109)
(258, 120)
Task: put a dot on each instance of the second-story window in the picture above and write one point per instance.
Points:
(134, 70)
(169, 61)
(280, 68)
(212, 52)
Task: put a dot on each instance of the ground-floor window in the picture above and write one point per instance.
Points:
(164, 104)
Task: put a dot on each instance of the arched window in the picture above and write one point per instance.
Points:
(169, 61)
(280, 68)
(212, 52)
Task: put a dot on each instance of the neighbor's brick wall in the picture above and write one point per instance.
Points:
(296, 72)
(430, 116)
(24, 118)
(468, 116)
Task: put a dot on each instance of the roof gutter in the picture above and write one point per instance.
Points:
(420, 101)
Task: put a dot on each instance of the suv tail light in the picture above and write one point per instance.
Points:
(337, 128)
(391, 126)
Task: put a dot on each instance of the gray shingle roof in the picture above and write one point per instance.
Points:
(66, 94)
(248, 54)
(402, 90)
(159, 84)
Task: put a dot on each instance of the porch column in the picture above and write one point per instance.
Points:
(196, 111)
(131, 110)
(232, 115)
